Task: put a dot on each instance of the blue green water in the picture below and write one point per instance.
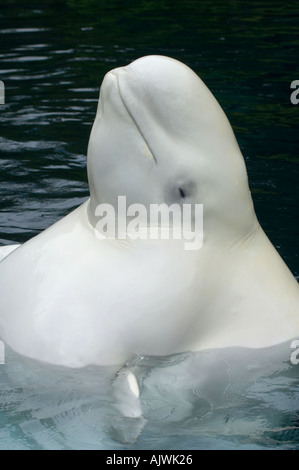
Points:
(225, 399)
(53, 56)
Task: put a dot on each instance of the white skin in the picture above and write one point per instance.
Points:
(69, 298)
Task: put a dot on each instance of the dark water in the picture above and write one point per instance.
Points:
(53, 56)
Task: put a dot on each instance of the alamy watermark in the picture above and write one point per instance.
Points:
(2, 352)
(295, 94)
(2, 92)
(159, 221)
(295, 354)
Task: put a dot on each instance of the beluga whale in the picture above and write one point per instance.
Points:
(75, 295)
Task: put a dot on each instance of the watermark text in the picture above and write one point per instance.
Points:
(158, 222)
(2, 352)
(295, 94)
(2, 92)
(295, 354)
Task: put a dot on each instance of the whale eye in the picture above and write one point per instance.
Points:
(182, 193)
(179, 192)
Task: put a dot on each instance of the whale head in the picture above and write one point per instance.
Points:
(160, 136)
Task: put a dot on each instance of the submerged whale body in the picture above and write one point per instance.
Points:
(71, 297)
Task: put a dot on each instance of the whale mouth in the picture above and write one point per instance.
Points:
(115, 75)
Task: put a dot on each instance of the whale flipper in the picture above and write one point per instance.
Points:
(129, 423)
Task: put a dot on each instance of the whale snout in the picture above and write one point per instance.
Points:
(115, 92)
(109, 93)
(113, 79)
